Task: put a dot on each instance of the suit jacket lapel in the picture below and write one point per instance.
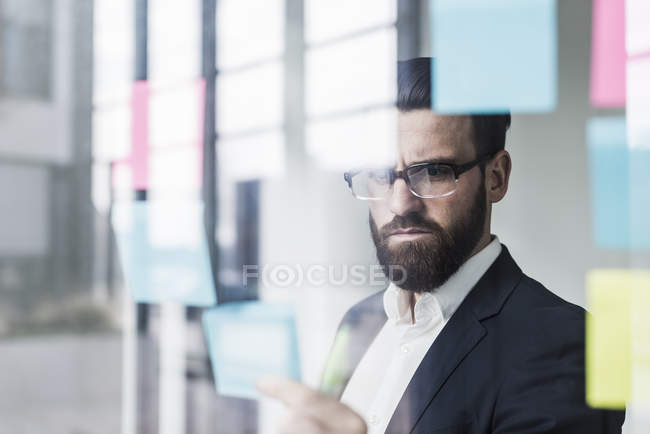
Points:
(460, 335)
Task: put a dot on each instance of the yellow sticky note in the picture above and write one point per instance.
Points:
(608, 340)
(640, 322)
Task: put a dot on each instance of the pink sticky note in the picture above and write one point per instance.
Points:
(140, 135)
(608, 56)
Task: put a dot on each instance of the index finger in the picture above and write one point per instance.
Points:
(290, 392)
(322, 409)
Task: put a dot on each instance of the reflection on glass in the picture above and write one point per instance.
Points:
(250, 99)
(112, 132)
(174, 40)
(638, 102)
(176, 115)
(249, 157)
(365, 139)
(636, 23)
(26, 27)
(248, 31)
(329, 19)
(113, 50)
(356, 73)
(24, 223)
(175, 171)
(101, 187)
(122, 180)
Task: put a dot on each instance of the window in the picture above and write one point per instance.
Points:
(249, 125)
(26, 27)
(350, 81)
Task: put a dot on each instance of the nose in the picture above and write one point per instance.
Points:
(402, 201)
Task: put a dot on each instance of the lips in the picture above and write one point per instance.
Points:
(411, 231)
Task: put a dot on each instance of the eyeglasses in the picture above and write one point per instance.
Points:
(424, 180)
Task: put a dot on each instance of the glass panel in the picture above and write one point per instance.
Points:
(252, 157)
(111, 133)
(24, 228)
(248, 31)
(25, 27)
(638, 103)
(175, 171)
(160, 264)
(176, 115)
(174, 40)
(101, 187)
(227, 227)
(250, 99)
(113, 50)
(122, 181)
(361, 140)
(328, 19)
(356, 73)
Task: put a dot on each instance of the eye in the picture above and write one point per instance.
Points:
(433, 171)
(379, 175)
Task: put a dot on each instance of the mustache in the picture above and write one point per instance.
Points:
(410, 221)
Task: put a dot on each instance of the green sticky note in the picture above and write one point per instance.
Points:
(608, 340)
(336, 367)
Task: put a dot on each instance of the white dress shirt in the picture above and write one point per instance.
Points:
(385, 370)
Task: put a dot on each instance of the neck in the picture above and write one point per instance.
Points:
(483, 243)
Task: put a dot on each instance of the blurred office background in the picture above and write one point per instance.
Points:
(249, 104)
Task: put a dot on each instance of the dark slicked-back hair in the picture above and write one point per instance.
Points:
(414, 92)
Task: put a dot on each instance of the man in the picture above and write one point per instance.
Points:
(466, 343)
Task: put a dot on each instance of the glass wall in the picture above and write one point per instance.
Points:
(171, 181)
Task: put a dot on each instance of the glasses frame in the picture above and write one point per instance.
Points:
(457, 169)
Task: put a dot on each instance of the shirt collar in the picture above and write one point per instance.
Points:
(446, 298)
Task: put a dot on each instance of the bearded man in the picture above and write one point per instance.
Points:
(461, 341)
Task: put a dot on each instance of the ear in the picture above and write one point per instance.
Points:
(497, 176)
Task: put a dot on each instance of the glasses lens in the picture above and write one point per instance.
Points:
(371, 184)
(432, 180)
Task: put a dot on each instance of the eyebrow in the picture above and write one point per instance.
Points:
(433, 161)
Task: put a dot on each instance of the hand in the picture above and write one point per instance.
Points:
(311, 412)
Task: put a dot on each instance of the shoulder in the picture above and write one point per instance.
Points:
(542, 322)
(370, 307)
(531, 297)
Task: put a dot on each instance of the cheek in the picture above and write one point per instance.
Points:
(438, 210)
(444, 210)
(380, 212)
(447, 210)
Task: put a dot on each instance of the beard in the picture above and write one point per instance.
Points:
(427, 263)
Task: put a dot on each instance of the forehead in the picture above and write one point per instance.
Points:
(425, 135)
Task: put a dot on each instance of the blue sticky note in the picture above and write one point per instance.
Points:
(639, 190)
(494, 56)
(163, 251)
(620, 186)
(609, 180)
(247, 340)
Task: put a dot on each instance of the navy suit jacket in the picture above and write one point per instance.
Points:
(509, 360)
